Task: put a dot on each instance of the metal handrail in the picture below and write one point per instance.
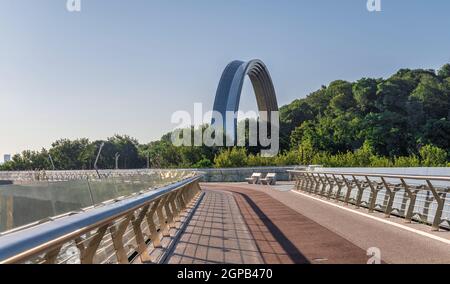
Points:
(415, 177)
(354, 187)
(49, 237)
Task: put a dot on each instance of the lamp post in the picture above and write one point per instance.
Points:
(51, 161)
(116, 157)
(96, 159)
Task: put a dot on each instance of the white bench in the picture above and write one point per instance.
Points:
(270, 179)
(254, 179)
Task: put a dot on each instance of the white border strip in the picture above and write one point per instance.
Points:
(422, 233)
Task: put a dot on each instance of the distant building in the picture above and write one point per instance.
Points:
(6, 158)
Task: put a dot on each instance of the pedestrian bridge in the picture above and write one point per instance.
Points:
(173, 217)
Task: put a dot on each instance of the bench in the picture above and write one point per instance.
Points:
(254, 179)
(270, 179)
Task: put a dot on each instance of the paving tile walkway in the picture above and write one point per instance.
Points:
(235, 224)
(216, 233)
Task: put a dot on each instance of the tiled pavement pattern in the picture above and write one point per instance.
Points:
(216, 233)
(235, 224)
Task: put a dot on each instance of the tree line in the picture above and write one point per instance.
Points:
(403, 121)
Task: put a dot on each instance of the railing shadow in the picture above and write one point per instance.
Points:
(270, 246)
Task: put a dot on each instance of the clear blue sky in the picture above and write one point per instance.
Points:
(126, 66)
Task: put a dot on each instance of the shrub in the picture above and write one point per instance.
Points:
(203, 164)
(403, 162)
(258, 161)
(380, 162)
(287, 159)
(229, 158)
(362, 156)
(432, 156)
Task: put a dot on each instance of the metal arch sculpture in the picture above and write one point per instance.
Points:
(228, 93)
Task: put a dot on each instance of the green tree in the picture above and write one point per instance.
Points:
(68, 154)
(127, 148)
(444, 72)
(365, 93)
(341, 96)
(429, 92)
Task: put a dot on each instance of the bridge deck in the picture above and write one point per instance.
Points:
(240, 223)
(217, 233)
(244, 224)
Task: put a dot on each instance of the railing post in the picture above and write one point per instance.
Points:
(155, 236)
(349, 190)
(180, 198)
(426, 210)
(374, 192)
(391, 197)
(440, 206)
(176, 206)
(117, 232)
(51, 256)
(309, 183)
(412, 201)
(297, 179)
(87, 253)
(161, 218)
(142, 247)
(171, 210)
(195, 189)
(186, 195)
(339, 185)
(316, 184)
(330, 190)
(302, 182)
(324, 185)
(360, 192)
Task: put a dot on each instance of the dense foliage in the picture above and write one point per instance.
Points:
(400, 121)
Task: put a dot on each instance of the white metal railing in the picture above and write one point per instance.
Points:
(414, 197)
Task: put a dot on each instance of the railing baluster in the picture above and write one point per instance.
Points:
(349, 190)
(360, 192)
(142, 247)
(374, 195)
(440, 206)
(50, 257)
(339, 185)
(155, 236)
(390, 193)
(330, 190)
(412, 201)
(170, 213)
(316, 184)
(324, 185)
(117, 232)
(161, 218)
(87, 253)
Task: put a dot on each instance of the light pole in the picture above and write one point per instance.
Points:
(96, 159)
(116, 156)
(51, 161)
